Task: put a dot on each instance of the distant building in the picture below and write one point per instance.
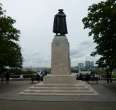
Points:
(80, 66)
(89, 65)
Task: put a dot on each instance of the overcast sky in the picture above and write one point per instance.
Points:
(34, 18)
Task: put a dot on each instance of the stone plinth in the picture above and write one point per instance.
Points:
(60, 60)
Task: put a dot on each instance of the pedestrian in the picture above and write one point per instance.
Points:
(7, 76)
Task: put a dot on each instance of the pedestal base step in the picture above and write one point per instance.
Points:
(80, 88)
(59, 79)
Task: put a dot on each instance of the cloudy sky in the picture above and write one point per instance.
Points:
(34, 18)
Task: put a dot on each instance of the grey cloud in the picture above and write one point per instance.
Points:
(82, 49)
(76, 53)
(35, 59)
(82, 52)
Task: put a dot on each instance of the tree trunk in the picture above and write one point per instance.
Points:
(109, 75)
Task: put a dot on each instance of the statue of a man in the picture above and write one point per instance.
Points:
(59, 26)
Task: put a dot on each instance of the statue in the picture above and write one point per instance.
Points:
(59, 26)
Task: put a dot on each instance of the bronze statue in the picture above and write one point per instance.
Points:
(59, 26)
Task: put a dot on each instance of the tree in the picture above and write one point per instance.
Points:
(10, 51)
(101, 20)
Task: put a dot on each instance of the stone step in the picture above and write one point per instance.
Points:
(59, 94)
(59, 79)
(59, 85)
(57, 91)
(59, 88)
(80, 88)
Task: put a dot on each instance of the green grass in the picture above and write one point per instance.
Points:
(114, 75)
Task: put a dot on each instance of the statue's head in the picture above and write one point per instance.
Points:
(60, 10)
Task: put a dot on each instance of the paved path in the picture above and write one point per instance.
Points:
(10, 100)
(11, 91)
(36, 105)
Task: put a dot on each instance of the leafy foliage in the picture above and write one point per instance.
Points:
(10, 51)
(101, 20)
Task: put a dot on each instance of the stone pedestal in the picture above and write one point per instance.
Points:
(60, 62)
(60, 59)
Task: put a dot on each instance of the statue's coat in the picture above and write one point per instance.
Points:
(59, 26)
